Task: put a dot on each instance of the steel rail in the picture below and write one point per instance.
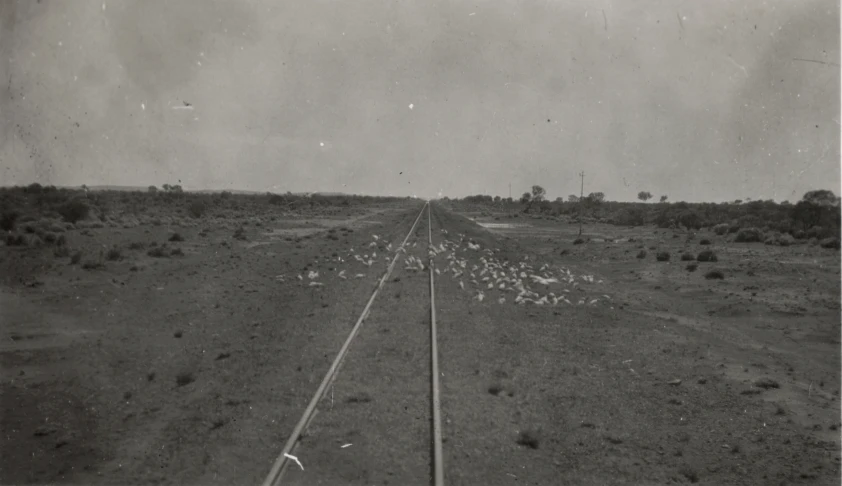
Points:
(438, 457)
(278, 468)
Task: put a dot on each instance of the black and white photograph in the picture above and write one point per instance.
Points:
(446, 242)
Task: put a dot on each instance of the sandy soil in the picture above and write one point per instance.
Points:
(181, 370)
(657, 381)
(194, 369)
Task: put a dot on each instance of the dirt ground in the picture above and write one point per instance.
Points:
(667, 376)
(193, 369)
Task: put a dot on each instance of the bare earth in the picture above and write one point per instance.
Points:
(194, 369)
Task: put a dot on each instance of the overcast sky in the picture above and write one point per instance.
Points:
(699, 100)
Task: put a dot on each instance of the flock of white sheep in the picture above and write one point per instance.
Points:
(520, 280)
(485, 275)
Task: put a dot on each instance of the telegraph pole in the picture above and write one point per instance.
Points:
(510, 190)
(581, 200)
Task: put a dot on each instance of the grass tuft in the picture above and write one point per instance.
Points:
(113, 254)
(184, 378)
(529, 438)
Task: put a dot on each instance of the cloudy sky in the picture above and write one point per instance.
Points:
(713, 100)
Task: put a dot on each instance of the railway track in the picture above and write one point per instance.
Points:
(368, 429)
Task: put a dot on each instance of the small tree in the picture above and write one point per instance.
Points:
(573, 198)
(664, 198)
(821, 197)
(559, 199)
(644, 195)
(525, 198)
(166, 187)
(152, 189)
(537, 196)
(596, 197)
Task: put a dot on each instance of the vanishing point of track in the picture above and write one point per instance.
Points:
(287, 455)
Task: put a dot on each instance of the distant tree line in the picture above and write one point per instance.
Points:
(817, 214)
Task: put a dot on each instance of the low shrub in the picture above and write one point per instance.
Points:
(749, 235)
(34, 241)
(786, 240)
(687, 257)
(707, 256)
(691, 267)
(641, 254)
(197, 209)
(159, 252)
(578, 241)
(176, 237)
(830, 243)
(15, 240)
(816, 232)
(715, 275)
(662, 256)
(8, 220)
(74, 210)
(92, 265)
(76, 258)
(720, 229)
(704, 241)
(113, 254)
